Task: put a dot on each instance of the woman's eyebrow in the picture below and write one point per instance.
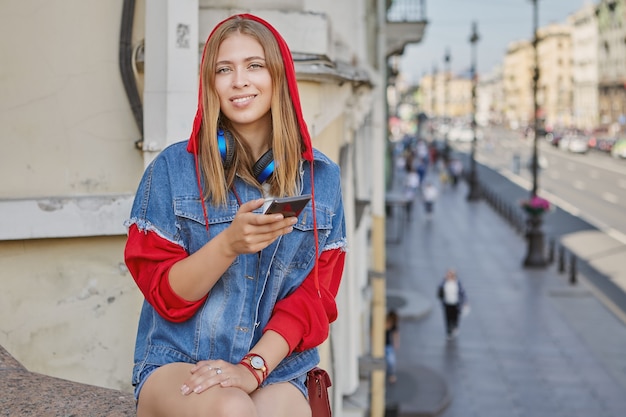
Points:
(248, 59)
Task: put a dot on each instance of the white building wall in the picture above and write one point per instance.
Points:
(69, 165)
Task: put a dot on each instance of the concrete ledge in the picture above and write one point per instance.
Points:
(26, 393)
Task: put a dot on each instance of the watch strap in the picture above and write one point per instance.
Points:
(254, 372)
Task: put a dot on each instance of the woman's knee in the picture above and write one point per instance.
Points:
(232, 402)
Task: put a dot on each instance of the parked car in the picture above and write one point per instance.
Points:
(578, 144)
(574, 143)
(619, 148)
(553, 138)
(603, 143)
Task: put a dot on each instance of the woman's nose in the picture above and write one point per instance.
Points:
(240, 79)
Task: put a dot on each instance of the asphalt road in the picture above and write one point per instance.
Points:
(578, 214)
(591, 186)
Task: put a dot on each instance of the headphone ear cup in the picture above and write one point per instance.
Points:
(264, 167)
(226, 145)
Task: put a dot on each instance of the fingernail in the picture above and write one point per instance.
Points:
(197, 389)
(184, 389)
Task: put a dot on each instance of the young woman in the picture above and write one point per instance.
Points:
(236, 301)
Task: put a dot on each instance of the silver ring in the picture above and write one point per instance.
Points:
(218, 371)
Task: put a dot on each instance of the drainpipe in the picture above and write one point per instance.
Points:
(126, 63)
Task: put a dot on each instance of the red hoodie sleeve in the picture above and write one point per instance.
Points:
(303, 318)
(149, 258)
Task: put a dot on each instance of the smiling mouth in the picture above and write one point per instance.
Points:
(242, 99)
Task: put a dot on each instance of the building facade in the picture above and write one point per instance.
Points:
(612, 64)
(517, 73)
(490, 98)
(584, 26)
(555, 75)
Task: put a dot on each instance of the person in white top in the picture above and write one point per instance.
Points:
(429, 194)
(453, 297)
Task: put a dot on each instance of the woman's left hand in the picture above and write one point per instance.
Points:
(206, 374)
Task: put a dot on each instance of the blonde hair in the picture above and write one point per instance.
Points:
(286, 142)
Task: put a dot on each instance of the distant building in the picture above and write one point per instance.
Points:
(612, 63)
(555, 75)
(517, 79)
(584, 25)
(490, 98)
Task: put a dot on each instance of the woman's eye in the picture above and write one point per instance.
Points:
(256, 65)
(222, 70)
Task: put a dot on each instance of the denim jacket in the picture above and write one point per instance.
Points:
(232, 318)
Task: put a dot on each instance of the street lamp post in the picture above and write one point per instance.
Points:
(446, 96)
(474, 188)
(433, 92)
(535, 256)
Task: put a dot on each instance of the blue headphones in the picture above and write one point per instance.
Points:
(262, 169)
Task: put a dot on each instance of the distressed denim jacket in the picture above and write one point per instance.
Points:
(240, 304)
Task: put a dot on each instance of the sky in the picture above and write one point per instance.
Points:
(499, 22)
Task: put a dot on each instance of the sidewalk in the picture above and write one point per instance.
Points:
(532, 346)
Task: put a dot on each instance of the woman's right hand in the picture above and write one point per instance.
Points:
(251, 232)
(206, 374)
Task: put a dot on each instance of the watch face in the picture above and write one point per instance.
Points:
(257, 362)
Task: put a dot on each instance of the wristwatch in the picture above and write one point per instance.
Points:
(257, 362)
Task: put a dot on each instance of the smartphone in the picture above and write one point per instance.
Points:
(288, 206)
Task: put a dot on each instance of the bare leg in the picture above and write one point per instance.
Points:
(161, 397)
(281, 400)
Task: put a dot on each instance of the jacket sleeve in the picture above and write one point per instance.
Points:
(149, 258)
(303, 318)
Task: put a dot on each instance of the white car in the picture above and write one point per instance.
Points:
(574, 143)
(578, 144)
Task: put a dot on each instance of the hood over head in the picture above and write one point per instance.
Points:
(290, 74)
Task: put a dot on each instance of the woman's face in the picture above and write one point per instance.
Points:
(243, 82)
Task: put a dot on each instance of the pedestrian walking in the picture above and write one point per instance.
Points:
(429, 195)
(236, 301)
(411, 186)
(453, 298)
(392, 342)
